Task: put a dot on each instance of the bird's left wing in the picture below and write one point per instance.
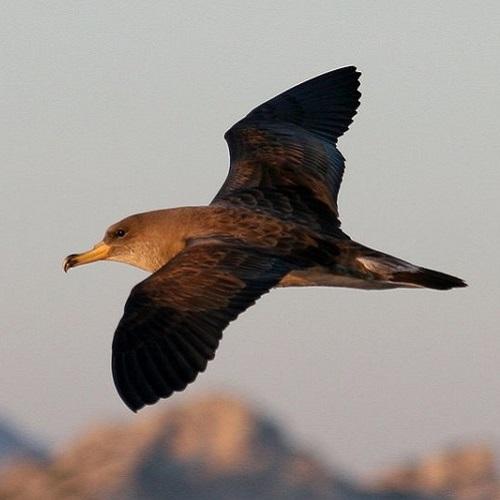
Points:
(173, 321)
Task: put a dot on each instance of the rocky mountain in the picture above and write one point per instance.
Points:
(15, 446)
(215, 448)
(467, 473)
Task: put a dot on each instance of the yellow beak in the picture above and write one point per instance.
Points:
(99, 252)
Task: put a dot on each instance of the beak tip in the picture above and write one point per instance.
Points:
(68, 263)
(99, 252)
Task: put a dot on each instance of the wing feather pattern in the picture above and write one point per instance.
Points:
(173, 320)
(284, 159)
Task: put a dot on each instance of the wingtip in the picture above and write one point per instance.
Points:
(350, 68)
(133, 407)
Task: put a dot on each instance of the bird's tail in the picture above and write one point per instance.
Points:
(399, 273)
(427, 278)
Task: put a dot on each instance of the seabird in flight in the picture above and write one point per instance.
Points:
(273, 223)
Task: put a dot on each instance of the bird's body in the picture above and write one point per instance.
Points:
(274, 223)
(343, 262)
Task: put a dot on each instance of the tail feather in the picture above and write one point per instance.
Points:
(428, 278)
(391, 270)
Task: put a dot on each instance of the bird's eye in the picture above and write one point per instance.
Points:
(120, 233)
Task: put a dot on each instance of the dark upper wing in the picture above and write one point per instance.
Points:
(174, 319)
(284, 158)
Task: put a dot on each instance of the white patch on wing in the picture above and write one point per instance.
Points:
(379, 265)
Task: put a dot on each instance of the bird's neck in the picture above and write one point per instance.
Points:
(169, 231)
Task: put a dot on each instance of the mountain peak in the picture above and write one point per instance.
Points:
(200, 446)
(212, 448)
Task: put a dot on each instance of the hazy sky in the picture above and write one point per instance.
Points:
(111, 108)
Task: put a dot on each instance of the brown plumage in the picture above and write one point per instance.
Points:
(273, 223)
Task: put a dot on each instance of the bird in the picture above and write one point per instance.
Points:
(274, 223)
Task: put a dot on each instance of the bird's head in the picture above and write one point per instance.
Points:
(128, 241)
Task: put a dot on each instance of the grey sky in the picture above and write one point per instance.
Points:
(110, 108)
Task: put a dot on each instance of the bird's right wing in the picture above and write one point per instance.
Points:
(284, 159)
(173, 320)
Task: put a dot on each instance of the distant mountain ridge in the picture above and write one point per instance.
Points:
(14, 445)
(215, 448)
